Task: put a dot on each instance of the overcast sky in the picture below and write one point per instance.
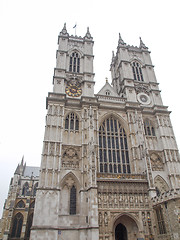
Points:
(28, 43)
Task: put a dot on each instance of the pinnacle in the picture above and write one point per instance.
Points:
(120, 41)
(142, 45)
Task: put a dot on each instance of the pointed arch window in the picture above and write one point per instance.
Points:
(17, 226)
(148, 128)
(73, 200)
(25, 191)
(72, 122)
(74, 64)
(113, 147)
(137, 71)
(160, 220)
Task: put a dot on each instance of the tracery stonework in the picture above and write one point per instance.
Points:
(70, 157)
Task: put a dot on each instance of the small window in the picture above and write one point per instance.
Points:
(25, 191)
(73, 201)
(72, 122)
(108, 93)
(74, 63)
(137, 72)
(148, 128)
(160, 220)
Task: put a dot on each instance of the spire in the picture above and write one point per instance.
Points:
(120, 41)
(142, 45)
(88, 35)
(64, 31)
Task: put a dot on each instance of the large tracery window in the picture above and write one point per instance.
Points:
(73, 201)
(17, 226)
(148, 128)
(74, 64)
(113, 147)
(72, 122)
(137, 71)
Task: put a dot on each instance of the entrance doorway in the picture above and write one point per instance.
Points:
(120, 232)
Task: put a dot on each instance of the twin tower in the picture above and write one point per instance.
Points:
(110, 167)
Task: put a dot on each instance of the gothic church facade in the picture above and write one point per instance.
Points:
(110, 167)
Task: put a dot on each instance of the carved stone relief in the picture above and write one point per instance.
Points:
(139, 87)
(70, 157)
(161, 185)
(156, 162)
(109, 196)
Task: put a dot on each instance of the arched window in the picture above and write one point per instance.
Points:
(20, 204)
(113, 147)
(29, 225)
(137, 71)
(35, 189)
(73, 200)
(74, 64)
(72, 122)
(25, 190)
(107, 92)
(148, 128)
(17, 226)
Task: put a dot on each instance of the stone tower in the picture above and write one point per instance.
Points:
(110, 162)
(66, 202)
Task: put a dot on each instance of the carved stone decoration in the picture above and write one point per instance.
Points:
(100, 218)
(156, 162)
(70, 157)
(161, 185)
(69, 182)
(139, 87)
(105, 219)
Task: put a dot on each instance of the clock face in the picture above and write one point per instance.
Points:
(143, 98)
(73, 90)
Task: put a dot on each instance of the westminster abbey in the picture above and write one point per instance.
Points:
(110, 166)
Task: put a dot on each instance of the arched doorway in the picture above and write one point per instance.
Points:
(125, 228)
(120, 232)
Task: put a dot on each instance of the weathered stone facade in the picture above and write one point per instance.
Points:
(110, 167)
